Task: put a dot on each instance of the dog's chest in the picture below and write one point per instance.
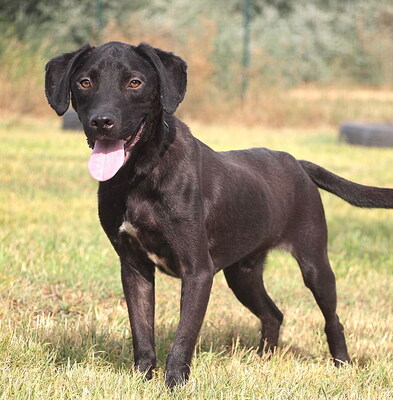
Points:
(136, 237)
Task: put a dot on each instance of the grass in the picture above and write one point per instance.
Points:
(64, 331)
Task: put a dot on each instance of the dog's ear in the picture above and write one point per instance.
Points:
(172, 74)
(57, 78)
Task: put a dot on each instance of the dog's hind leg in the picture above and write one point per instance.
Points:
(245, 280)
(319, 278)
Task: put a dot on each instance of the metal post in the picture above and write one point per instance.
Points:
(246, 45)
(100, 18)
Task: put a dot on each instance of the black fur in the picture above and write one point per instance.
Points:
(190, 211)
(353, 193)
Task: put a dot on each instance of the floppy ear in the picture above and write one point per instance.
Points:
(172, 74)
(57, 78)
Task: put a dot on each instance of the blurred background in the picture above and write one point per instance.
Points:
(271, 62)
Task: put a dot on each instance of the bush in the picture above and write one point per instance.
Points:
(318, 42)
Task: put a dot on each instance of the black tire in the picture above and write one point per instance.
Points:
(372, 135)
(71, 121)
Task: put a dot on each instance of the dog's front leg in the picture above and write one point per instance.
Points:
(195, 293)
(139, 293)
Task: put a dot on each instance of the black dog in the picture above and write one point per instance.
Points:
(166, 200)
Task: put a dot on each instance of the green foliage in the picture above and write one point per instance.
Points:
(71, 22)
(292, 43)
(315, 34)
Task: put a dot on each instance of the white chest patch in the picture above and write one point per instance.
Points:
(160, 262)
(127, 227)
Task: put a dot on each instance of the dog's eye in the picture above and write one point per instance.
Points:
(85, 83)
(135, 83)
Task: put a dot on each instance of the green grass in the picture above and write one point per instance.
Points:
(64, 331)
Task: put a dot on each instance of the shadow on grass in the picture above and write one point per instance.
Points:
(89, 344)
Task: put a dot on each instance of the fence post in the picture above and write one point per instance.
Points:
(100, 19)
(246, 46)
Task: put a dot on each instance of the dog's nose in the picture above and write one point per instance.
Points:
(103, 121)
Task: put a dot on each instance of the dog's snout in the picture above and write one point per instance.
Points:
(102, 121)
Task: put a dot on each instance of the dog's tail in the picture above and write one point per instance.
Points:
(354, 193)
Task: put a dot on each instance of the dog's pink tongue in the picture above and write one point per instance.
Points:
(106, 159)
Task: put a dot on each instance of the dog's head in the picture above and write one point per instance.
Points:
(116, 89)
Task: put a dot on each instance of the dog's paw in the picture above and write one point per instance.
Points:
(176, 376)
(266, 350)
(340, 362)
(146, 368)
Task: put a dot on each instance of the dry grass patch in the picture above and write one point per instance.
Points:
(64, 331)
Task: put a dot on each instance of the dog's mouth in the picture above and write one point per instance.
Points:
(109, 155)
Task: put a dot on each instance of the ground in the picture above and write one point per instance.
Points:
(64, 331)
